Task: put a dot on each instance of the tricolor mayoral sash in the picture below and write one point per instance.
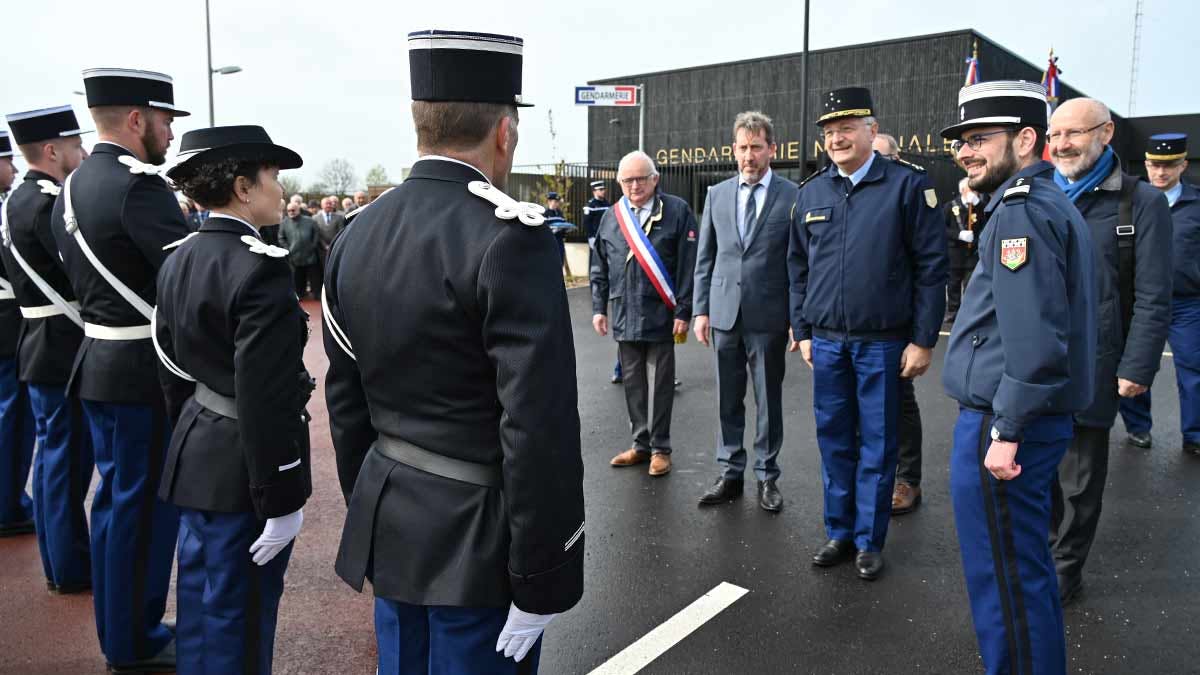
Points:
(643, 251)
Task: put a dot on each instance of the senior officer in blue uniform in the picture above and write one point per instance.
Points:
(1020, 362)
(16, 416)
(111, 222)
(451, 385)
(1166, 160)
(1131, 233)
(641, 275)
(741, 285)
(50, 141)
(228, 321)
(867, 264)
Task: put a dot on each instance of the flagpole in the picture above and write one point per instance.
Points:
(804, 97)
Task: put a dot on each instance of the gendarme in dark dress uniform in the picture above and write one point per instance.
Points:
(1020, 361)
(452, 397)
(50, 337)
(238, 468)
(124, 214)
(16, 416)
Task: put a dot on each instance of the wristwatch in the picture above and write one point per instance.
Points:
(997, 437)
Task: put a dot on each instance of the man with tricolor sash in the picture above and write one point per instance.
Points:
(641, 277)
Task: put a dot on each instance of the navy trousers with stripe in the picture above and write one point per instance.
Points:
(1002, 533)
(16, 446)
(62, 473)
(227, 605)
(133, 531)
(441, 640)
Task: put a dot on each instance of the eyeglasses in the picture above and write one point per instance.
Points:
(976, 142)
(1070, 134)
(634, 180)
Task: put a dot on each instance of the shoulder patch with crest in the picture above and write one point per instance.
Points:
(931, 198)
(263, 248)
(1014, 253)
(508, 208)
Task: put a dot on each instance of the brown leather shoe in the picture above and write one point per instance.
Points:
(660, 464)
(905, 499)
(630, 457)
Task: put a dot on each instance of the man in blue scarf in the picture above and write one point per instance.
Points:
(1131, 231)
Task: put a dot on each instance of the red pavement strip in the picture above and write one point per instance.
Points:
(324, 626)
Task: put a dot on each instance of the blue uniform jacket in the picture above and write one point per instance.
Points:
(1185, 217)
(868, 262)
(620, 288)
(1024, 343)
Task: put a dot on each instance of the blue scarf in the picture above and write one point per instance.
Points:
(1096, 176)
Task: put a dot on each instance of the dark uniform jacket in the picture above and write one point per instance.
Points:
(620, 288)
(958, 215)
(1185, 221)
(868, 262)
(10, 317)
(1134, 357)
(461, 335)
(593, 213)
(126, 218)
(227, 315)
(1024, 344)
(48, 345)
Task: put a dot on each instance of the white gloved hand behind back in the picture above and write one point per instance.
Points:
(521, 632)
(278, 533)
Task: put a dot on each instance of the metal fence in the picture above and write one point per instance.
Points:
(571, 180)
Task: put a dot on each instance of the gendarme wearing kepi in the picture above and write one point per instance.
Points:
(111, 223)
(1020, 362)
(464, 477)
(49, 140)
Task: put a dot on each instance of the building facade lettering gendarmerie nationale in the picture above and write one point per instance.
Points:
(914, 82)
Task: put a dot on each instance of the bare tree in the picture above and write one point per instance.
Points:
(291, 184)
(377, 175)
(338, 176)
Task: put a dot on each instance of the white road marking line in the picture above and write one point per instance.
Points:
(653, 644)
(947, 334)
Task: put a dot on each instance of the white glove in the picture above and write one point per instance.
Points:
(967, 236)
(521, 631)
(275, 537)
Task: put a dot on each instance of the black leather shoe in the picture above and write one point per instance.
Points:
(869, 564)
(768, 496)
(723, 490)
(68, 589)
(17, 529)
(162, 662)
(1192, 449)
(1140, 440)
(833, 552)
(1068, 588)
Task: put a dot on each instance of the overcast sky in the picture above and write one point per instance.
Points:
(330, 79)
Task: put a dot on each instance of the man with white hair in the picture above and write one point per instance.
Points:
(641, 274)
(1131, 231)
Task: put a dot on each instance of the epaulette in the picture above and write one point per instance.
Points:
(508, 208)
(915, 167)
(810, 177)
(1019, 190)
(263, 248)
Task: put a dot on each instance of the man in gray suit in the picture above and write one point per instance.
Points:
(329, 222)
(741, 298)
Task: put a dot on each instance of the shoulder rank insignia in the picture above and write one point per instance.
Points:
(179, 242)
(137, 166)
(49, 187)
(1014, 253)
(915, 167)
(263, 248)
(809, 177)
(1019, 190)
(508, 208)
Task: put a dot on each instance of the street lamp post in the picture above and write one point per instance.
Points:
(224, 70)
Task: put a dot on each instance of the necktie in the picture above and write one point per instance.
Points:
(750, 213)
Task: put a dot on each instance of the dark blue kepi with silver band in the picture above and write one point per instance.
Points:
(1020, 362)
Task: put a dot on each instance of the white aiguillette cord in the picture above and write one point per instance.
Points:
(508, 208)
(47, 290)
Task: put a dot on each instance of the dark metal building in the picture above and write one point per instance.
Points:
(914, 82)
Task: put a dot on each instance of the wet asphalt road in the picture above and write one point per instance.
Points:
(651, 551)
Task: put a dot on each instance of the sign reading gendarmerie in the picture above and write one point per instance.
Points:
(607, 95)
(927, 144)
